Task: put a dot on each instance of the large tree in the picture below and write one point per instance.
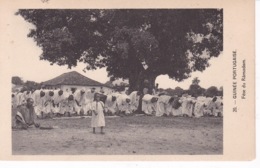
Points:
(131, 43)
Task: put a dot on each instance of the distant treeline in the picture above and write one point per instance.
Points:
(195, 89)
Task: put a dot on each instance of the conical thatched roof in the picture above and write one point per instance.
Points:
(72, 78)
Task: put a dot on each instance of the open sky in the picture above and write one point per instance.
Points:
(27, 65)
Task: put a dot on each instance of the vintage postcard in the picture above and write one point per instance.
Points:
(127, 80)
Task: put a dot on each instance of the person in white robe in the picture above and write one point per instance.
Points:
(67, 92)
(49, 104)
(89, 99)
(206, 111)
(71, 106)
(39, 101)
(220, 108)
(209, 105)
(77, 96)
(111, 105)
(33, 94)
(217, 107)
(22, 97)
(187, 106)
(102, 90)
(58, 99)
(149, 104)
(28, 94)
(176, 107)
(19, 98)
(98, 118)
(199, 106)
(134, 99)
(164, 105)
(81, 100)
(24, 116)
(116, 95)
(123, 104)
(14, 100)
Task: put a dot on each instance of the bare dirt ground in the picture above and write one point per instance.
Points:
(133, 135)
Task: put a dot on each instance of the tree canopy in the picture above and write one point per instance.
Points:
(212, 91)
(16, 80)
(195, 81)
(134, 44)
(195, 89)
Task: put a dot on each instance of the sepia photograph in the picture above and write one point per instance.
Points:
(158, 81)
(92, 81)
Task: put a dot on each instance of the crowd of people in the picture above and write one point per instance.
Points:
(58, 103)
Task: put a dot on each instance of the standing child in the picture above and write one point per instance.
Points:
(98, 118)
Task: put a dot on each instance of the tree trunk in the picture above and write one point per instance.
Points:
(136, 81)
(133, 84)
(151, 78)
(144, 75)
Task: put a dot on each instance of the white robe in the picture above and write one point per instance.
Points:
(58, 101)
(48, 103)
(27, 96)
(177, 111)
(217, 107)
(18, 98)
(134, 98)
(122, 104)
(147, 106)
(39, 102)
(83, 102)
(21, 98)
(187, 106)
(199, 106)
(163, 105)
(99, 119)
(209, 106)
(89, 99)
(111, 105)
(15, 100)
